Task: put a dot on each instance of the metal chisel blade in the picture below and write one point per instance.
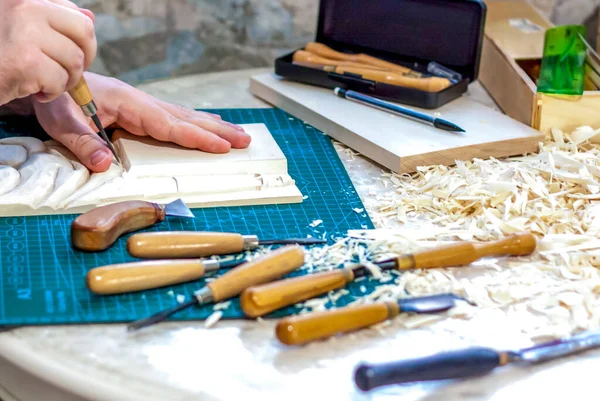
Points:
(105, 137)
(299, 241)
(430, 304)
(178, 208)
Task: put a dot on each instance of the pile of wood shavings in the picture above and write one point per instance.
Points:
(553, 194)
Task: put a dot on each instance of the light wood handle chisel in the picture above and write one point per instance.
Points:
(99, 228)
(261, 300)
(304, 57)
(82, 95)
(137, 276)
(263, 269)
(327, 52)
(430, 84)
(193, 244)
(301, 329)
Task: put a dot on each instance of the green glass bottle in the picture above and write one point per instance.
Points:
(563, 64)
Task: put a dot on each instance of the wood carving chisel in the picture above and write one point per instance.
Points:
(82, 95)
(99, 228)
(260, 300)
(469, 362)
(192, 244)
(327, 52)
(302, 329)
(137, 276)
(430, 84)
(263, 269)
(307, 59)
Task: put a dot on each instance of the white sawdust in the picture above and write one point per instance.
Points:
(554, 194)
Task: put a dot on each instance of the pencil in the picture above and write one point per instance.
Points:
(390, 107)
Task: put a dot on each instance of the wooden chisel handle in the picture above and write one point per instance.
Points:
(325, 51)
(260, 300)
(138, 276)
(464, 253)
(301, 329)
(302, 56)
(99, 228)
(263, 269)
(431, 84)
(183, 244)
(81, 93)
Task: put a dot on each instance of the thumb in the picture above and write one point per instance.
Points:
(67, 125)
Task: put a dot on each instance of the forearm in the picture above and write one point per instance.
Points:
(21, 107)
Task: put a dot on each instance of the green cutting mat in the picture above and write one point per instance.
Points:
(42, 279)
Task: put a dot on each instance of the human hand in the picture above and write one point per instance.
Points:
(121, 105)
(45, 46)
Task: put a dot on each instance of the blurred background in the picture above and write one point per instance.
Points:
(144, 40)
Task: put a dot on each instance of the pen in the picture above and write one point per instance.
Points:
(390, 107)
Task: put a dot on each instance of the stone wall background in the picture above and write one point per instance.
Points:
(142, 40)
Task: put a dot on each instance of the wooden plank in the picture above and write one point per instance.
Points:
(395, 142)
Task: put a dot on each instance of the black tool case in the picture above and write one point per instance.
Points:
(406, 32)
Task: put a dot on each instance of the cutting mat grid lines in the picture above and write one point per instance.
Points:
(42, 278)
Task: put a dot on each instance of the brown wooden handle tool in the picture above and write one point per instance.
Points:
(264, 269)
(99, 228)
(81, 93)
(313, 326)
(431, 84)
(260, 300)
(138, 276)
(263, 299)
(327, 52)
(261, 270)
(370, 72)
(304, 57)
(464, 253)
(183, 244)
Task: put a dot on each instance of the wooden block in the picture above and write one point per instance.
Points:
(157, 172)
(396, 142)
(511, 55)
(148, 157)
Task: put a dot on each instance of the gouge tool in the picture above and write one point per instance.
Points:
(430, 84)
(302, 329)
(265, 268)
(138, 276)
(82, 95)
(192, 244)
(260, 300)
(99, 228)
(327, 52)
(469, 362)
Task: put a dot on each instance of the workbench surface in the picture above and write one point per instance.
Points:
(243, 360)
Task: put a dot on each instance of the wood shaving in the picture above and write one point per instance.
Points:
(553, 193)
(213, 319)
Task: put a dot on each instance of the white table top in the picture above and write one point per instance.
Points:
(242, 359)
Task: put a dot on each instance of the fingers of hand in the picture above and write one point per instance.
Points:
(146, 118)
(66, 53)
(62, 120)
(43, 77)
(76, 26)
(232, 133)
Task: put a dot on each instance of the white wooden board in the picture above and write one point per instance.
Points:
(51, 180)
(396, 142)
